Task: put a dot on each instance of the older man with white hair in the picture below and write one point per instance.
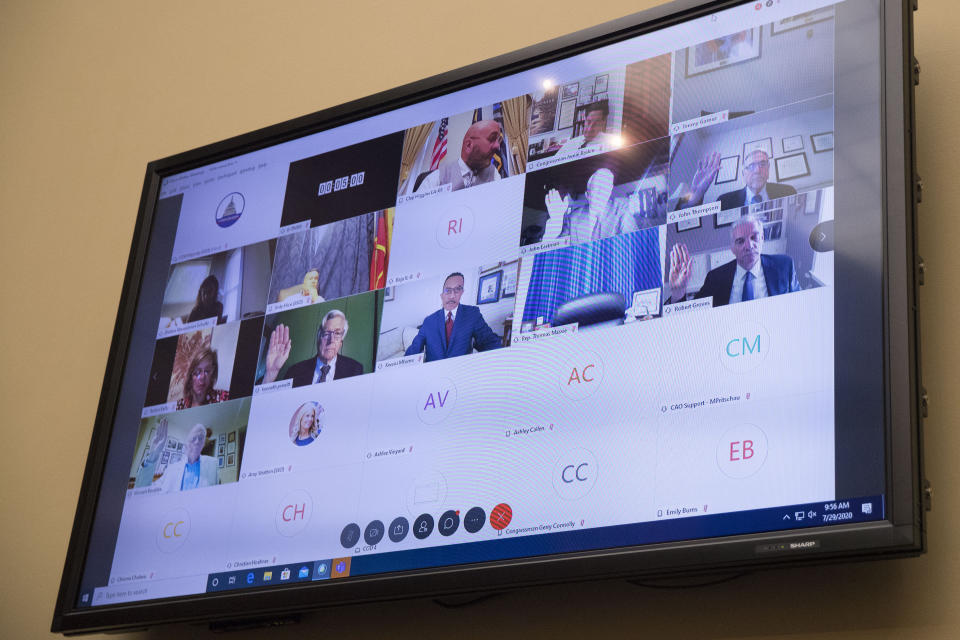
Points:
(192, 471)
(749, 276)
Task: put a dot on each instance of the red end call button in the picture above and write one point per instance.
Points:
(500, 516)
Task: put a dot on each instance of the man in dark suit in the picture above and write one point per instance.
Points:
(756, 171)
(749, 277)
(326, 366)
(456, 329)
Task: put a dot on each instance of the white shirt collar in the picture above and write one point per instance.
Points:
(469, 175)
(756, 270)
(453, 311)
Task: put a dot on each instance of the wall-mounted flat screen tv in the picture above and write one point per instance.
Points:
(636, 302)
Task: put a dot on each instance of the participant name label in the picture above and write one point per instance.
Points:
(404, 278)
(178, 328)
(682, 215)
(689, 305)
(389, 452)
(549, 332)
(199, 253)
(157, 409)
(270, 387)
(546, 245)
(292, 302)
(426, 193)
(402, 361)
(697, 123)
(294, 228)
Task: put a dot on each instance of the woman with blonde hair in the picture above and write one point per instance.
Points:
(306, 424)
(201, 377)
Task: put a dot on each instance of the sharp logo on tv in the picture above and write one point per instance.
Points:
(230, 209)
(343, 183)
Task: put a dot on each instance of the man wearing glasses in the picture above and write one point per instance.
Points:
(756, 171)
(326, 366)
(456, 329)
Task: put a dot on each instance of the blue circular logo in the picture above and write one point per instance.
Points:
(230, 209)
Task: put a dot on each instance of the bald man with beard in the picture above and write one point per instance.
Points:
(474, 166)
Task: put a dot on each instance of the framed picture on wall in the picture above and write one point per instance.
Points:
(687, 225)
(232, 436)
(822, 141)
(723, 52)
(726, 218)
(544, 112)
(389, 293)
(488, 289)
(509, 288)
(792, 167)
(600, 84)
(728, 170)
(220, 449)
(232, 460)
(763, 144)
(222, 438)
(792, 143)
(220, 462)
(567, 109)
(231, 447)
(570, 91)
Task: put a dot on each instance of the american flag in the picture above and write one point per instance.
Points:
(440, 146)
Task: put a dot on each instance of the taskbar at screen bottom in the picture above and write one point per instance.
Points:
(799, 516)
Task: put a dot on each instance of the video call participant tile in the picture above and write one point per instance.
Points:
(219, 288)
(575, 119)
(473, 226)
(753, 70)
(751, 159)
(310, 427)
(229, 205)
(616, 276)
(332, 261)
(456, 314)
(749, 253)
(597, 197)
(204, 367)
(194, 449)
(464, 150)
(646, 100)
(322, 343)
(343, 183)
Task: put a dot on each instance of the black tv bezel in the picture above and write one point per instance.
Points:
(901, 534)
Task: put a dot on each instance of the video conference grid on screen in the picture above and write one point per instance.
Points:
(612, 252)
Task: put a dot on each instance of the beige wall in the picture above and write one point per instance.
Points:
(91, 91)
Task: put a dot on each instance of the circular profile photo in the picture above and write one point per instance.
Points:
(306, 424)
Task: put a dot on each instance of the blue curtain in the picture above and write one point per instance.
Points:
(622, 264)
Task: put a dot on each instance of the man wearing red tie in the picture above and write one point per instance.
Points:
(456, 329)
